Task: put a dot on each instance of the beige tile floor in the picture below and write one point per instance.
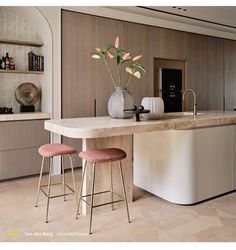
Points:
(153, 219)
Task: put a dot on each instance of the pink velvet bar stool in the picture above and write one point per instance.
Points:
(95, 157)
(49, 151)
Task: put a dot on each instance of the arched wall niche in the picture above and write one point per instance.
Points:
(27, 24)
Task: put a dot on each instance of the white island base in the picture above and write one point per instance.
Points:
(186, 166)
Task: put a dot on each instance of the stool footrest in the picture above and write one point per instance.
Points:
(59, 195)
(102, 204)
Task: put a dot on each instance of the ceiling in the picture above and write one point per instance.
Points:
(217, 17)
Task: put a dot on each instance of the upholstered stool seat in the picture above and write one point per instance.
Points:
(51, 150)
(96, 157)
(55, 149)
(103, 155)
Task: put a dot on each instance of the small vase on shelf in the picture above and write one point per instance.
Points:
(119, 100)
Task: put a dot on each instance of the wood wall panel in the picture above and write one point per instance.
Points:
(106, 31)
(230, 74)
(84, 79)
(137, 39)
(173, 44)
(197, 70)
(215, 73)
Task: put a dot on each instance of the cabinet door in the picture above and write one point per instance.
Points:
(215, 73)
(22, 134)
(230, 74)
(137, 42)
(78, 75)
(197, 70)
(106, 32)
(85, 79)
(20, 162)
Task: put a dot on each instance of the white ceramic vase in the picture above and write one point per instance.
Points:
(156, 107)
(119, 100)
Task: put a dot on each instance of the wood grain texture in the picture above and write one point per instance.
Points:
(215, 73)
(230, 74)
(19, 147)
(137, 42)
(197, 70)
(102, 177)
(20, 162)
(22, 134)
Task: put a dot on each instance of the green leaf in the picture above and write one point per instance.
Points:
(140, 67)
(118, 59)
(109, 46)
(125, 60)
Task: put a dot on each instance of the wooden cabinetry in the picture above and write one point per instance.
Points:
(19, 147)
(137, 42)
(230, 74)
(84, 79)
(215, 73)
(208, 64)
(197, 69)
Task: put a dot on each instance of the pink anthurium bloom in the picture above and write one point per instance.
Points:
(129, 70)
(95, 56)
(117, 41)
(126, 56)
(137, 74)
(110, 54)
(137, 57)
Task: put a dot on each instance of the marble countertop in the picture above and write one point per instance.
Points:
(95, 127)
(24, 116)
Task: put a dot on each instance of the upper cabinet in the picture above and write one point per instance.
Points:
(215, 73)
(230, 74)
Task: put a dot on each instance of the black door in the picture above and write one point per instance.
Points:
(171, 88)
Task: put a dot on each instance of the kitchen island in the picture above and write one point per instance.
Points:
(179, 158)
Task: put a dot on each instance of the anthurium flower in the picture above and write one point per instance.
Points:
(98, 49)
(95, 56)
(137, 74)
(129, 70)
(117, 41)
(137, 57)
(110, 54)
(126, 56)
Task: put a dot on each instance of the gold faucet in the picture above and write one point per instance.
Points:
(194, 100)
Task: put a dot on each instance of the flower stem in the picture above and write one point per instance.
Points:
(118, 68)
(127, 83)
(110, 72)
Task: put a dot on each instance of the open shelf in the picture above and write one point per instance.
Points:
(22, 43)
(20, 71)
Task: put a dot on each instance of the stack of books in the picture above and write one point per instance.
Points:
(36, 62)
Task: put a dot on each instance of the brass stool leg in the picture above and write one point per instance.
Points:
(123, 184)
(81, 189)
(112, 204)
(73, 179)
(92, 192)
(49, 188)
(63, 176)
(39, 184)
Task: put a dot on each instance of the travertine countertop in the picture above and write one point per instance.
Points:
(95, 127)
(24, 116)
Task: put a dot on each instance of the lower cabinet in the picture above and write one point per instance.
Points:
(19, 149)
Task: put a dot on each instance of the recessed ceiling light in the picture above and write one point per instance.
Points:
(174, 7)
